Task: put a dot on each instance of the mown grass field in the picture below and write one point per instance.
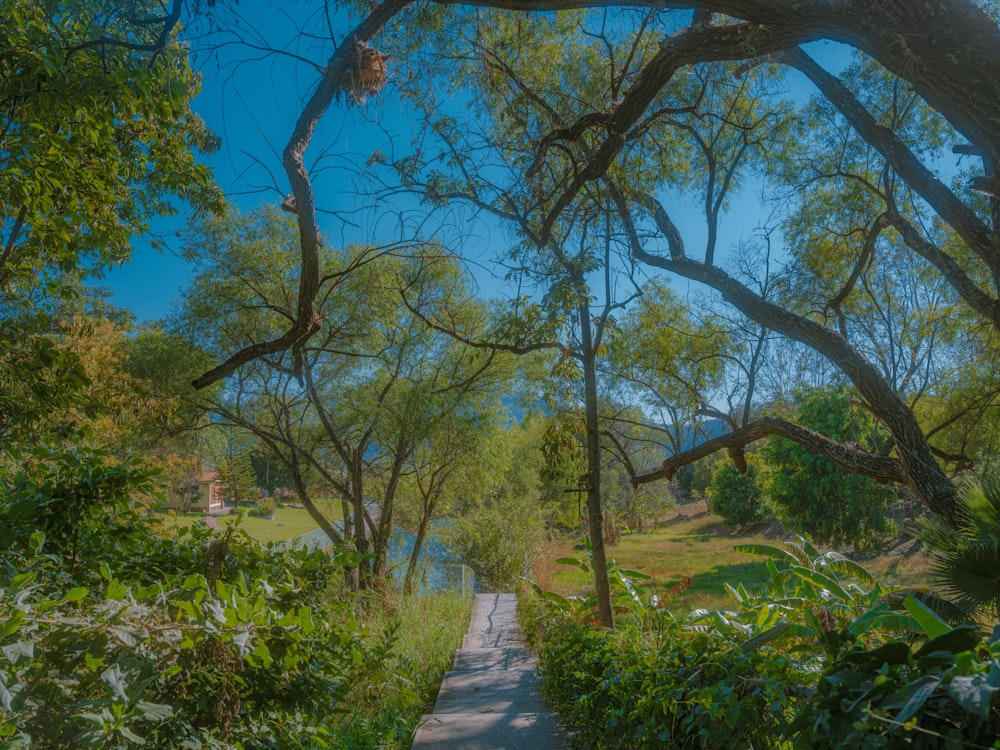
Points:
(696, 543)
(288, 522)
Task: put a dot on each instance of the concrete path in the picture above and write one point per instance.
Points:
(490, 699)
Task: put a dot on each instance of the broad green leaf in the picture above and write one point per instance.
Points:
(20, 650)
(822, 581)
(155, 711)
(913, 697)
(973, 693)
(928, 620)
(776, 553)
(74, 595)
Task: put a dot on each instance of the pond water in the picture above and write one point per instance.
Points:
(440, 568)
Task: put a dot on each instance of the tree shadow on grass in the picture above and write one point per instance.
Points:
(753, 575)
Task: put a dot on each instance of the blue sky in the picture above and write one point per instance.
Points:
(252, 100)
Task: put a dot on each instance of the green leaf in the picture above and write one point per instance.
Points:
(116, 590)
(155, 711)
(928, 620)
(576, 563)
(131, 736)
(973, 693)
(8, 692)
(822, 581)
(768, 550)
(20, 650)
(767, 636)
(913, 697)
(880, 619)
(74, 595)
(242, 642)
(956, 640)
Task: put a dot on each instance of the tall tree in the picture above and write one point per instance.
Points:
(345, 412)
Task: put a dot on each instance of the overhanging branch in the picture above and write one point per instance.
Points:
(850, 457)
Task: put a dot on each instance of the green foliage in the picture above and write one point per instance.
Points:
(499, 540)
(817, 658)
(623, 584)
(736, 497)
(813, 495)
(967, 558)
(696, 477)
(825, 598)
(238, 477)
(185, 661)
(669, 688)
(944, 694)
(78, 499)
(96, 137)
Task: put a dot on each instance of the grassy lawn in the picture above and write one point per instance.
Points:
(698, 544)
(288, 522)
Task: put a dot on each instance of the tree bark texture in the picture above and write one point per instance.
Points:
(595, 517)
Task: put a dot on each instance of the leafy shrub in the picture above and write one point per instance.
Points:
(682, 689)
(815, 496)
(696, 477)
(499, 542)
(186, 661)
(818, 658)
(735, 496)
(943, 694)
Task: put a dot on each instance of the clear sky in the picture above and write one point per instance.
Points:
(252, 99)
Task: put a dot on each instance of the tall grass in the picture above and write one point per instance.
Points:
(385, 711)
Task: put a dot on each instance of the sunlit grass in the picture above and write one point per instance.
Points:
(698, 544)
(428, 629)
(288, 523)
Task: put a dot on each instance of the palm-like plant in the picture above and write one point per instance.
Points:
(967, 557)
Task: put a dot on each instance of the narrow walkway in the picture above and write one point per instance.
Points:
(490, 699)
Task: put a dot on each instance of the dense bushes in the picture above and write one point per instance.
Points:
(813, 495)
(670, 688)
(819, 658)
(735, 496)
(213, 644)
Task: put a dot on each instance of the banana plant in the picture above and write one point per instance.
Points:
(823, 598)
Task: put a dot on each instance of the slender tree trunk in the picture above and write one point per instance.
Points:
(605, 613)
(411, 568)
(361, 533)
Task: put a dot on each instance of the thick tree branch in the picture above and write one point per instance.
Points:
(696, 45)
(960, 217)
(850, 457)
(923, 473)
(336, 80)
(947, 49)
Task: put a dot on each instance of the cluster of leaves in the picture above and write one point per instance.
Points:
(186, 661)
(815, 496)
(942, 694)
(622, 690)
(823, 656)
(736, 497)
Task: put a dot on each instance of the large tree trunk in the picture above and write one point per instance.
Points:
(595, 519)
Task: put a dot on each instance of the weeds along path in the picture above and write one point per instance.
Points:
(490, 699)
